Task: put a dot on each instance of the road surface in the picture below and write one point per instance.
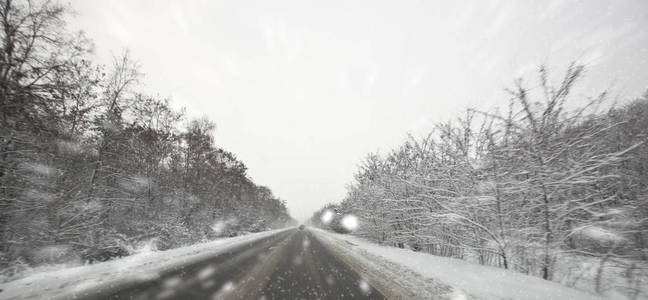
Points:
(289, 265)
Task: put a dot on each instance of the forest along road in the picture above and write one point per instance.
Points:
(289, 265)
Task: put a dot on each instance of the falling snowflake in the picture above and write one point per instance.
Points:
(208, 284)
(171, 282)
(327, 216)
(330, 280)
(206, 272)
(364, 287)
(220, 225)
(350, 222)
(224, 290)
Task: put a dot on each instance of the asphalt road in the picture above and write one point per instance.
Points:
(290, 265)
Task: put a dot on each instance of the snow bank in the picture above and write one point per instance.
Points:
(67, 282)
(391, 279)
(466, 280)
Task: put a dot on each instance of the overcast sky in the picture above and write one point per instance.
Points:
(301, 90)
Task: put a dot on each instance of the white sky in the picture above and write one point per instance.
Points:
(301, 90)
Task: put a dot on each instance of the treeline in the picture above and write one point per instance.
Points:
(89, 167)
(538, 187)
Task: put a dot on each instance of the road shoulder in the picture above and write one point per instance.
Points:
(70, 282)
(429, 276)
(391, 279)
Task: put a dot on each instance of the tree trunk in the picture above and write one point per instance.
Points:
(548, 235)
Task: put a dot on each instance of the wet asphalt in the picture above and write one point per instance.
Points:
(292, 264)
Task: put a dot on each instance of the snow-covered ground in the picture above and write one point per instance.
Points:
(433, 277)
(398, 273)
(67, 282)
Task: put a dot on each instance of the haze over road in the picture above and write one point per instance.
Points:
(292, 264)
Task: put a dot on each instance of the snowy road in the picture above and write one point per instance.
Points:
(288, 265)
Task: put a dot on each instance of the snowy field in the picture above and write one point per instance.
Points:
(65, 283)
(448, 278)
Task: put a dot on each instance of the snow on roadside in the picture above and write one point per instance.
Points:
(390, 278)
(65, 283)
(465, 279)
